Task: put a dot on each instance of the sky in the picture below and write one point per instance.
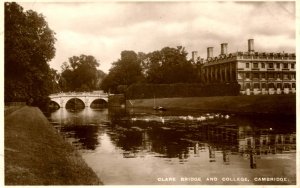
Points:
(105, 29)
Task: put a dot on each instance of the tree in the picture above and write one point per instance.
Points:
(169, 65)
(29, 46)
(125, 71)
(80, 73)
(100, 76)
(55, 77)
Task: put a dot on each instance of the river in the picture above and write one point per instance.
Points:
(145, 147)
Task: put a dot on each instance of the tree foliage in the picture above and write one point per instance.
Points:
(166, 66)
(125, 71)
(80, 74)
(169, 65)
(29, 46)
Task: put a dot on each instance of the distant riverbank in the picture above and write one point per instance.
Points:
(255, 104)
(35, 153)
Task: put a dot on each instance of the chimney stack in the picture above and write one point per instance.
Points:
(224, 48)
(194, 56)
(250, 45)
(210, 52)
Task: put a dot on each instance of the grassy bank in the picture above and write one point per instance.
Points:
(255, 104)
(35, 154)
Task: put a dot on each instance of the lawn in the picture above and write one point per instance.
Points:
(255, 104)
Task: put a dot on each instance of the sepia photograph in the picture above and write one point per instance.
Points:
(150, 93)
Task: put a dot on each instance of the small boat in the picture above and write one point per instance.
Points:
(159, 108)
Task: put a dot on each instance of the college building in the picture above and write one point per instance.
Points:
(255, 72)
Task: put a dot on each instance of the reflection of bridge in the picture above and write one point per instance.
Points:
(87, 98)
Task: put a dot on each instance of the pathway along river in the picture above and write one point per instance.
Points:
(191, 148)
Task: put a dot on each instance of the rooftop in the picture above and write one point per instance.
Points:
(253, 55)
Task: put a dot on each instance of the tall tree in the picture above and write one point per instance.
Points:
(125, 71)
(54, 79)
(80, 73)
(29, 46)
(169, 65)
(100, 76)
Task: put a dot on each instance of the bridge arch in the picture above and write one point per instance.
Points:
(75, 102)
(99, 103)
(54, 104)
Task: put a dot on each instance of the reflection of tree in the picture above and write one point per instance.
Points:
(168, 142)
(87, 135)
(130, 140)
(177, 140)
(116, 114)
(279, 124)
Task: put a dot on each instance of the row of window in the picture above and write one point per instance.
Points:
(270, 75)
(269, 85)
(264, 141)
(271, 65)
(262, 57)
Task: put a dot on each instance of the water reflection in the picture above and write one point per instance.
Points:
(177, 140)
(81, 127)
(205, 139)
(85, 137)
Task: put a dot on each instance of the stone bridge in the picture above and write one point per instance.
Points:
(86, 97)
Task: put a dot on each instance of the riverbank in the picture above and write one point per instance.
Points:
(35, 153)
(255, 104)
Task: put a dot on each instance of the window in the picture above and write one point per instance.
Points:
(262, 65)
(264, 141)
(247, 65)
(285, 76)
(255, 75)
(263, 85)
(293, 85)
(278, 65)
(287, 140)
(278, 76)
(263, 75)
(247, 75)
(255, 65)
(285, 65)
(257, 141)
(271, 66)
(256, 85)
(248, 142)
(248, 86)
(292, 65)
(271, 75)
(292, 76)
(279, 85)
(271, 85)
(286, 85)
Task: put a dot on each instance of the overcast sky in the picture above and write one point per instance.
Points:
(105, 29)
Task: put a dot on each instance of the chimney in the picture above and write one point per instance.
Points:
(210, 52)
(223, 48)
(250, 45)
(194, 56)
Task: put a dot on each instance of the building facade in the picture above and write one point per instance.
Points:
(255, 72)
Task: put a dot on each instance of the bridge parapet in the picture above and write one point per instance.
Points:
(78, 94)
